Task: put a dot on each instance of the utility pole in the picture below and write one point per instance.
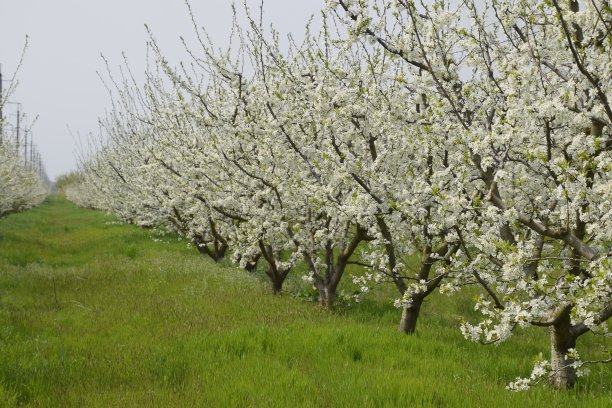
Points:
(17, 135)
(25, 148)
(32, 148)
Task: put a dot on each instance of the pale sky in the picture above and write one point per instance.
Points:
(58, 81)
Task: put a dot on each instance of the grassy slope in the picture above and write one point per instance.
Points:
(98, 314)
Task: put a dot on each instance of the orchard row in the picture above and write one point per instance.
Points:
(20, 187)
(436, 145)
(22, 179)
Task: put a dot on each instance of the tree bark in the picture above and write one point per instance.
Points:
(251, 265)
(276, 275)
(410, 315)
(334, 269)
(327, 296)
(277, 285)
(563, 374)
(277, 278)
(216, 253)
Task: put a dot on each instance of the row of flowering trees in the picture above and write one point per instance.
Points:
(21, 186)
(437, 145)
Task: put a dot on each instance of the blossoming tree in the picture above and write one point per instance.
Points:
(524, 86)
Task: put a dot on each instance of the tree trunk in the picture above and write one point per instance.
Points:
(410, 315)
(277, 285)
(252, 264)
(327, 296)
(216, 253)
(277, 278)
(220, 250)
(563, 374)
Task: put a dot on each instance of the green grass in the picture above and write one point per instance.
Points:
(93, 313)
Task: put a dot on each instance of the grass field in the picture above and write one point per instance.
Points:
(93, 313)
